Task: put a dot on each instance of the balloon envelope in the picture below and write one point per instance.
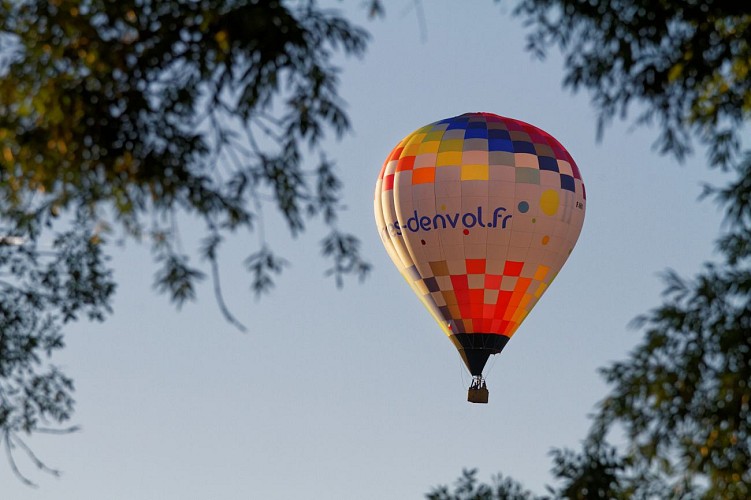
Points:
(479, 213)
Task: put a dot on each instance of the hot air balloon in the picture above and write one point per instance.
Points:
(479, 212)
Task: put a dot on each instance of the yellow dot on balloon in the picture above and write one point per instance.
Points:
(549, 201)
(545, 240)
(443, 207)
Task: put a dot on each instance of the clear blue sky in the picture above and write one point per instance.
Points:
(355, 393)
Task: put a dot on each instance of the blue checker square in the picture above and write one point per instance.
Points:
(498, 134)
(458, 123)
(548, 163)
(524, 147)
(445, 312)
(432, 284)
(567, 183)
(476, 133)
(500, 145)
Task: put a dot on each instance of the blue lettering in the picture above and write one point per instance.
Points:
(479, 217)
(473, 218)
(410, 221)
(442, 221)
(452, 222)
(496, 213)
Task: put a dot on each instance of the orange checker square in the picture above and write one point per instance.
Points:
(475, 266)
(423, 175)
(405, 163)
(508, 315)
(521, 285)
(512, 268)
(396, 153)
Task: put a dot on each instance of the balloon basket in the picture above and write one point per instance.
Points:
(478, 391)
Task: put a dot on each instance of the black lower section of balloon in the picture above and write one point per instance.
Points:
(476, 348)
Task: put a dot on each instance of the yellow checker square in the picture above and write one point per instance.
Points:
(451, 145)
(402, 142)
(519, 316)
(428, 147)
(524, 302)
(411, 149)
(474, 172)
(416, 138)
(434, 135)
(541, 272)
(449, 158)
(540, 290)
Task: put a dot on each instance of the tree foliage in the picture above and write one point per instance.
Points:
(120, 119)
(469, 488)
(678, 407)
(685, 64)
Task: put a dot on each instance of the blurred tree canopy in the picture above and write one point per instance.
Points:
(677, 421)
(469, 488)
(118, 120)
